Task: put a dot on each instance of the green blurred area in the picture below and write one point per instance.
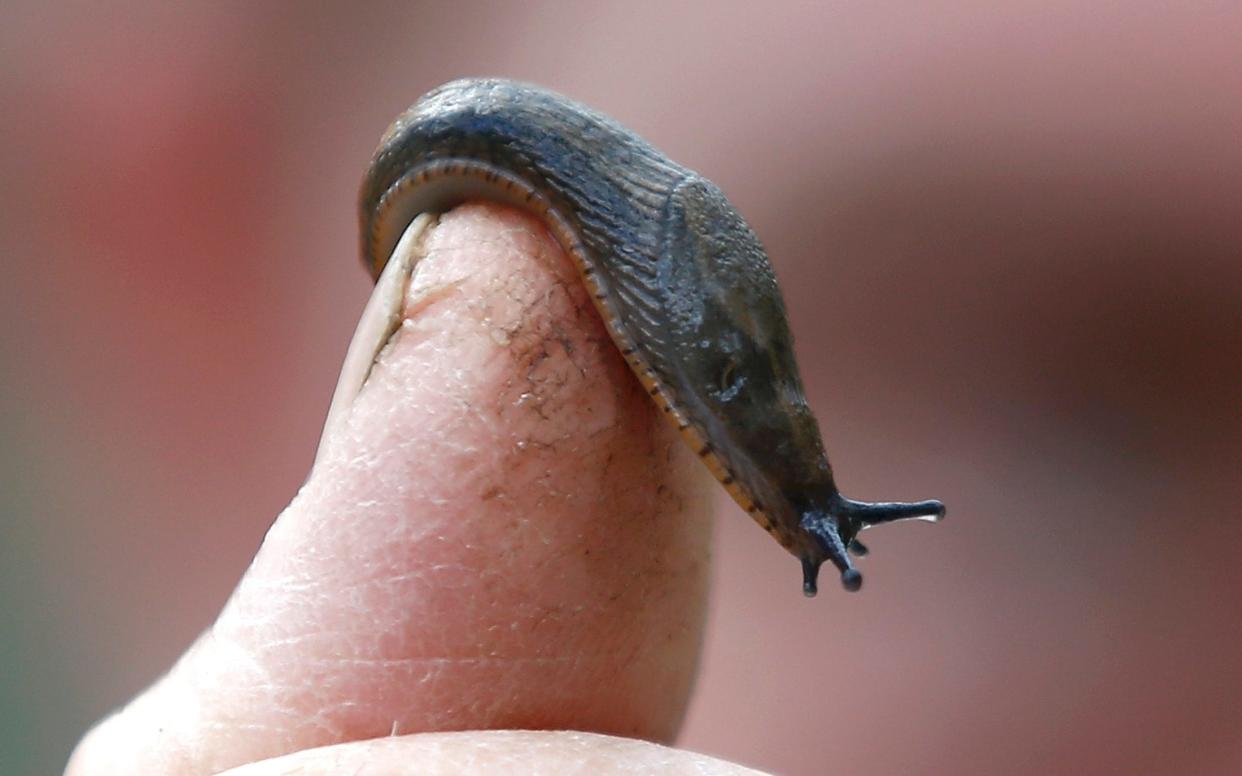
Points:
(45, 700)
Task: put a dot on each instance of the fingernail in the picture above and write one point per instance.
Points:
(380, 318)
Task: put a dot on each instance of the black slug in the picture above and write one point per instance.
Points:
(683, 285)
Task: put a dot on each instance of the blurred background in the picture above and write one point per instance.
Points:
(1010, 237)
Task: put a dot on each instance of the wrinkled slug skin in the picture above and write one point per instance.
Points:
(681, 280)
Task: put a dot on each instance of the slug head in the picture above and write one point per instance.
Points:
(729, 359)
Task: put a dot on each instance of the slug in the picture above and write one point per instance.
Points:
(681, 281)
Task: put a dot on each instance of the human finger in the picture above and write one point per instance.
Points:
(499, 532)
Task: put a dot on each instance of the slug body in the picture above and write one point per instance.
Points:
(681, 281)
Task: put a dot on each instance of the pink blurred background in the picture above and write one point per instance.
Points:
(1010, 237)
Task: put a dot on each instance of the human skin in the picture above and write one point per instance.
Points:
(502, 533)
